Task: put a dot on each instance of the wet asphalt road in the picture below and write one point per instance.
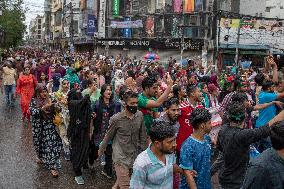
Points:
(18, 168)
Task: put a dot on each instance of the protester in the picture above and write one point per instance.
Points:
(128, 135)
(196, 152)
(234, 142)
(266, 95)
(61, 97)
(154, 167)
(47, 142)
(186, 108)
(9, 82)
(25, 88)
(103, 110)
(267, 171)
(79, 131)
(147, 103)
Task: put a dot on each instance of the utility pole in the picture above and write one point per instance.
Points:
(182, 34)
(237, 47)
(71, 29)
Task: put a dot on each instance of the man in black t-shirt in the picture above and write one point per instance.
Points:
(267, 171)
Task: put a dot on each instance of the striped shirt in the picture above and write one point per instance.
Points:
(150, 173)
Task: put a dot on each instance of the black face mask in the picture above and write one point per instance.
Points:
(131, 109)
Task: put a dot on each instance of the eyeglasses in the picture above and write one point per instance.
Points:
(65, 83)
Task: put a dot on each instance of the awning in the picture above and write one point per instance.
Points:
(250, 47)
(245, 52)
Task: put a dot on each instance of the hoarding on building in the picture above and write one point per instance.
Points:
(102, 20)
(269, 33)
(92, 25)
(126, 24)
(127, 32)
(115, 7)
(188, 6)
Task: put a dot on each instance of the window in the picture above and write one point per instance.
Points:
(267, 9)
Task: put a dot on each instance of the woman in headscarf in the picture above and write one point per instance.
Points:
(61, 98)
(47, 141)
(25, 88)
(78, 130)
(72, 77)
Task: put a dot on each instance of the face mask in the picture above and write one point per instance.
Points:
(131, 109)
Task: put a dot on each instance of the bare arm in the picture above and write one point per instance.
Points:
(276, 119)
(189, 179)
(262, 106)
(160, 100)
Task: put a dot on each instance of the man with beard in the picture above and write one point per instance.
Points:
(171, 113)
(128, 135)
(194, 101)
(147, 103)
(78, 131)
(154, 167)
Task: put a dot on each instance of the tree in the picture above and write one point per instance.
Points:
(12, 22)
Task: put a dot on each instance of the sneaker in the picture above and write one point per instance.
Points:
(106, 175)
(58, 164)
(67, 156)
(80, 180)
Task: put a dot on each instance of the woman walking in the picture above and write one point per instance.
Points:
(47, 141)
(79, 131)
(25, 88)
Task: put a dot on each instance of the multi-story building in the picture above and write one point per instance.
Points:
(36, 31)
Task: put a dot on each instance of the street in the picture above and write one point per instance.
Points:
(18, 168)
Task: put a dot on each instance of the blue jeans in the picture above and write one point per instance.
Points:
(9, 94)
(263, 144)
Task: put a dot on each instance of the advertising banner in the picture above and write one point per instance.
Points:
(177, 6)
(115, 7)
(127, 32)
(188, 6)
(150, 26)
(198, 5)
(102, 20)
(268, 33)
(127, 24)
(92, 23)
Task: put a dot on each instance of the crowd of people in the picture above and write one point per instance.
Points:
(150, 125)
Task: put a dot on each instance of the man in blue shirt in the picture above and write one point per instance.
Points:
(196, 152)
(265, 115)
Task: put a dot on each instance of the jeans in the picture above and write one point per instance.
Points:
(9, 94)
(263, 144)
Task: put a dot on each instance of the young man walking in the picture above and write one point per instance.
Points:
(128, 135)
(154, 167)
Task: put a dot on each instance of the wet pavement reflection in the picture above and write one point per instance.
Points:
(18, 168)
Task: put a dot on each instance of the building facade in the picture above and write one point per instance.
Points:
(36, 34)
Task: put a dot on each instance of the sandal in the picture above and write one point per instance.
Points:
(39, 161)
(54, 173)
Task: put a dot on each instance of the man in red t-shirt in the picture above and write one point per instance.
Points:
(194, 99)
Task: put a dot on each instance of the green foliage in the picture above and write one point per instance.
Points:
(12, 22)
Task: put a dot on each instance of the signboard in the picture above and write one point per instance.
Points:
(102, 19)
(269, 33)
(189, 44)
(127, 32)
(75, 3)
(115, 7)
(92, 22)
(126, 24)
(188, 5)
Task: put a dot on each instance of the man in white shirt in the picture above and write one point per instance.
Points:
(9, 82)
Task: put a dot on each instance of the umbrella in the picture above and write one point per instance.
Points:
(151, 56)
